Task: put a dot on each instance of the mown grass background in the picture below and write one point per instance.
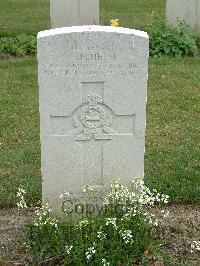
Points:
(172, 136)
(23, 16)
(31, 16)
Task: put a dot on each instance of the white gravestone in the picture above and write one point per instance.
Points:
(93, 92)
(188, 10)
(65, 13)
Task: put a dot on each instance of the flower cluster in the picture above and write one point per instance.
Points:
(21, 195)
(101, 235)
(150, 219)
(137, 201)
(130, 212)
(90, 252)
(195, 246)
(83, 223)
(164, 213)
(87, 189)
(43, 217)
(111, 221)
(127, 218)
(63, 195)
(68, 249)
(145, 196)
(127, 236)
(105, 263)
(119, 194)
(67, 200)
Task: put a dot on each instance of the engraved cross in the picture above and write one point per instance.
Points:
(93, 124)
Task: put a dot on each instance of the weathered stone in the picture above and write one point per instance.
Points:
(65, 13)
(93, 92)
(188, 10)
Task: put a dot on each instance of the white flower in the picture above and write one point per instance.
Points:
(87, 189)
(195, 246)
(83, 223)
(22, 203)
(156, 222)
(43, 217)
(127, 236)
(68, 249)
(105, 263)
(64, 194)
(136, 202)
(91, 251)
(164, 213)
(131, 212)
(111, 221)
(101, 235)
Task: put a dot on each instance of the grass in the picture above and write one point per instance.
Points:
(172, 139)
(172, 136)
(20, 152)
(31, 16)
(23, 16)
(132, 13)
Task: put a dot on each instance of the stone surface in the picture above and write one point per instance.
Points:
(93, 92)
(188, 10)
(65, 13)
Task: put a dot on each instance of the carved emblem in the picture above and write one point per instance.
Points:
(92, 116)
(91, 120)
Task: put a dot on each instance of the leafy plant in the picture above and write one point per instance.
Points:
(20, 45)
(121, 234)
(171, 41)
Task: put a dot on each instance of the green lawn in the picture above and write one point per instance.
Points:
(132, 13)
(172, 139)
(23, 16)
(20, 152)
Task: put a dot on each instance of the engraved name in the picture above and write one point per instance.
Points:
(95, 56)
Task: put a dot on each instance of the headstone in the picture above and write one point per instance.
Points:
(93, 92)
(188, 10)
(65, 13)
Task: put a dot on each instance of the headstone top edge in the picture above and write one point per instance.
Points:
(92, 28)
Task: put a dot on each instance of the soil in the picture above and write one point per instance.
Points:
(178, 230)
(12, 223)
